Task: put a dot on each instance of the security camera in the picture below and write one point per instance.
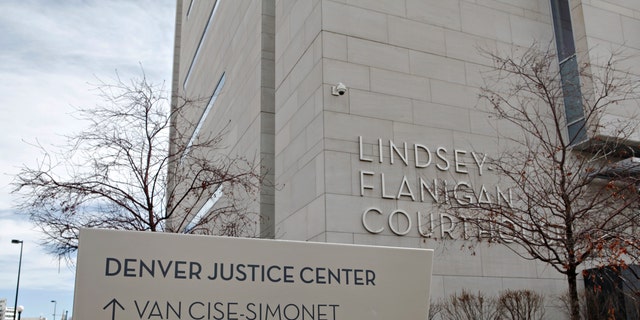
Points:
(339, 89)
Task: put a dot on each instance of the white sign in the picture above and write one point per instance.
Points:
(125, 275)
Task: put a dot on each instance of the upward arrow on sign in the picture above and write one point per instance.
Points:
(113, 304)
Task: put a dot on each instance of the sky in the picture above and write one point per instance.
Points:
(51, 52)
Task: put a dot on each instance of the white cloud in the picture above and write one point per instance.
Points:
(85, 37)
(50, 51)
(37, 267)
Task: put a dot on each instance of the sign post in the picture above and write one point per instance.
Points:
(124, 275)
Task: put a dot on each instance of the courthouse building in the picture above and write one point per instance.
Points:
(351, 104)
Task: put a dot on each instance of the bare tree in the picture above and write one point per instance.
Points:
(509, 304)
(435, 308)
(521, 305)
(114, 174)
(469, 306)
(573, 203)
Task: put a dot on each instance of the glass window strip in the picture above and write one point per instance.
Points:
(563, 61)
(190, 6)
(561, 15)
(577, 133)
(569, 74)
(203, 117)
(204, 210)
(573, 107)
(204, 36)
(579, 120)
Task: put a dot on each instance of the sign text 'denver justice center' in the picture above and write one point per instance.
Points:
(142, 275)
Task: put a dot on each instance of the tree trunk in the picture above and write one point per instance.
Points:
(574, 301)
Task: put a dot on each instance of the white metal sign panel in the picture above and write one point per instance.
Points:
(124, 275)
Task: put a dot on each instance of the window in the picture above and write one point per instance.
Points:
(574, 112)
(204, 36)
(569, 72)
(563, 30)
(203, 117)
(612, 291)
(190, 6)
(204, 210)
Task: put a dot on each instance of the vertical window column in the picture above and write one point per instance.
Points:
(203, 117)
(569, 72)
(202, 38)
(189, 9)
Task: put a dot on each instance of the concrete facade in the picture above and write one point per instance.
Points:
(603, 27)
(238, 60)
(413, 73)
